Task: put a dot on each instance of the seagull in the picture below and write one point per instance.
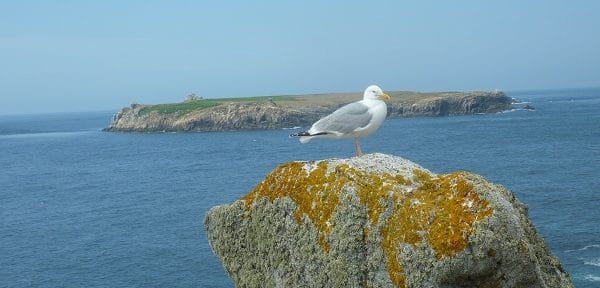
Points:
(354, 120)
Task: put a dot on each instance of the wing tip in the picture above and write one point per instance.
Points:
(300, 134)
(303, 136)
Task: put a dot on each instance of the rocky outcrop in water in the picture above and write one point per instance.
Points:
(226, 117)
(452, 103)
(302, 111)
(379, 221)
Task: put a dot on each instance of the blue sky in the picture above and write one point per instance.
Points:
(60, 56)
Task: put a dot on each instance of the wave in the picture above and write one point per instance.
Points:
(593, 262)
(515, 110)
(508, 111)
(584, 248)
(592, 278)
(292, 128)
(47, 134)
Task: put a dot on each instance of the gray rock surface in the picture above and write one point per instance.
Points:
(301, 111)
(379, 221)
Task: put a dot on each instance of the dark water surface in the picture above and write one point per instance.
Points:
(84, 208)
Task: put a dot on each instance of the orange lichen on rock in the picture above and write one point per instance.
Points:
(374, 188)
(316, 193)
(439, 211)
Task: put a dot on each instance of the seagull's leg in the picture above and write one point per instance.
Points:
(357, 147)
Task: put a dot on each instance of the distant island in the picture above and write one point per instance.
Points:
(196, 114)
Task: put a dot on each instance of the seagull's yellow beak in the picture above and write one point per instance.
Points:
(385, 97)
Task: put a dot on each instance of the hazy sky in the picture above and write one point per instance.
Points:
(101, 55)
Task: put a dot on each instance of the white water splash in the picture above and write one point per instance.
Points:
(584, 248)
(593, 262)
(592, 278)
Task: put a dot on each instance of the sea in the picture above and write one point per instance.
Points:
(84, 208)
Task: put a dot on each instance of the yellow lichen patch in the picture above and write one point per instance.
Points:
(316, 193)
(373, 189)
(441, 211)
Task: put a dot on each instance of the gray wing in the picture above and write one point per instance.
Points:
(344, 120)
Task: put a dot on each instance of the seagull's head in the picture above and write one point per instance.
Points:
(373, 92)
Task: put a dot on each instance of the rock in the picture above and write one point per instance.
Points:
(528, 107)
(379, 221)
(452, 103)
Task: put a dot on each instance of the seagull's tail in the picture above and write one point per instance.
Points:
(305, 137)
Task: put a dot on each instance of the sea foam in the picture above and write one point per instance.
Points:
(584, 248)
(593, 262)
(592, 278)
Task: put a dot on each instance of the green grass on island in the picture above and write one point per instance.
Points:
(189, 106)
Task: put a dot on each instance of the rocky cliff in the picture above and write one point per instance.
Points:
(291, 111)
(379, 221)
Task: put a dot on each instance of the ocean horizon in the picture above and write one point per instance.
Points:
(82, 207)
